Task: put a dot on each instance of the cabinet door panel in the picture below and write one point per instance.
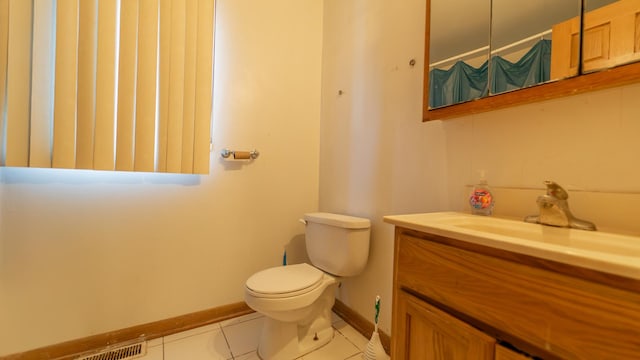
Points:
(432, 334)
(611, 35)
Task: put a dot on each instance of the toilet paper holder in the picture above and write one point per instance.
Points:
(240, 155)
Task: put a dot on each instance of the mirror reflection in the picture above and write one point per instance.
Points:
(611, 33)
(458, 51)
(531, 42)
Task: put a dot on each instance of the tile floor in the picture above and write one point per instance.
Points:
(237, 339)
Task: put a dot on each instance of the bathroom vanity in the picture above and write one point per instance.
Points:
(473, 287)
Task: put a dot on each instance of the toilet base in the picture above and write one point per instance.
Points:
(288, 340)
(281, 341)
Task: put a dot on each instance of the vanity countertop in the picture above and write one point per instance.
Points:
(596, 250)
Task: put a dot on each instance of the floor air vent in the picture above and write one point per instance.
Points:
(121, 353)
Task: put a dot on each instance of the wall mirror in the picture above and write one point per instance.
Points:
(595, 44)
(459, 54)
(494, 46)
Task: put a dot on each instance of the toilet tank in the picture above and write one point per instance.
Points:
(337, 244)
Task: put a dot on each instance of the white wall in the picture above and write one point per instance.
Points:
(83, 253)
(377, 158)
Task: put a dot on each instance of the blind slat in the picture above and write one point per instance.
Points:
(4, 45)
(204, 89)
(18, 83)
(64, 113)
(165, 61)
(42, 84)
(176, 93)
(105, 87)
(146, 87)
(87, 39)
(126, 84)
(188, 119)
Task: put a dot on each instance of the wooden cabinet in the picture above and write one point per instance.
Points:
(452, 299)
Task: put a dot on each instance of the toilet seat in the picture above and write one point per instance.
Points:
(284, 281)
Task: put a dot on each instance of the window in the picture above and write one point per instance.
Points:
(106, 84)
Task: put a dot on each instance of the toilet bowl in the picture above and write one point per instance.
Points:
(296, 300)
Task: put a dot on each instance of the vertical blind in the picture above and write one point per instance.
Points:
(106, 84)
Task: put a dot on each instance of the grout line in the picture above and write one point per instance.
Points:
(248, 317)
(350, 341)
(226, 340)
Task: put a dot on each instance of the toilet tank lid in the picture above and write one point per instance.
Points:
(338, 220)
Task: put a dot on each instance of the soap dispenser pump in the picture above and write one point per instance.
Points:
(481, 198)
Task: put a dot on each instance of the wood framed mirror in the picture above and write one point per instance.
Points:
(621, 73)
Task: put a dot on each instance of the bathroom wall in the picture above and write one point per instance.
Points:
(377, 158)
(83, 253)
(586, 143)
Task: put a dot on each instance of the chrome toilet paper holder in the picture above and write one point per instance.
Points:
(240, 155)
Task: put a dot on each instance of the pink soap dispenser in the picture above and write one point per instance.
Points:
(481, 198)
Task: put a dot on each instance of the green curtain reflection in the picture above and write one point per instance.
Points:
(463, 82)
(533, 68)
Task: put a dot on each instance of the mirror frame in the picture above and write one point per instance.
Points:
(581, 83)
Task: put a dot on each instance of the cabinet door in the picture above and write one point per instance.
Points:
(611, 35)
(424, 332)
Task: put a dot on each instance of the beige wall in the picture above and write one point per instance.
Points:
(88, 252)
(586, 143)
(377, 158)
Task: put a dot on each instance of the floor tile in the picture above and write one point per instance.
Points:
(351, 334)
(339, 348)
(210, 345)
(154, 352)
(243, 337)
(238, 338)
(191, 332)
(240, 319)
(358, 356)
(250, 356)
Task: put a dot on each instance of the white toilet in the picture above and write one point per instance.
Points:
(297, 299)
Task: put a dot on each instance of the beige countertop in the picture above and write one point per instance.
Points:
(606, 252)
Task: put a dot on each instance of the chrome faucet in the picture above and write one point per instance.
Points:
(554, 210)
